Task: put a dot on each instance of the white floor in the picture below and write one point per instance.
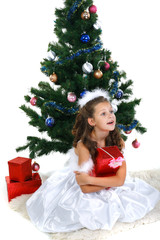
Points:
(15, 226)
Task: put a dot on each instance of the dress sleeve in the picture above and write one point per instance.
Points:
(72, 163)
(86, 166)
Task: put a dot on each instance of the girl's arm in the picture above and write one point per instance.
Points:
(83, 156)
(113, 181)
(90, 188)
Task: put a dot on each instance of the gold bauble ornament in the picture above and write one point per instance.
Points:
(53, 77)
(98, 74)
(85, 15)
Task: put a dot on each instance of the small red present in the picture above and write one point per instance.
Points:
(20, 169)
(16, 189)
(108, 161)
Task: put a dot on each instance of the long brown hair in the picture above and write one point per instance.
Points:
(82, 129)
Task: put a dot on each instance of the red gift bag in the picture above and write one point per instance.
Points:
(16, 189)
(108, 161)
(20, 169)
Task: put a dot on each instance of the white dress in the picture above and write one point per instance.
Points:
(59, 205)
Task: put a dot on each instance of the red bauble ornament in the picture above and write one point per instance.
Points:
(93, 9)
(135, 144)
(128, 132)
(35, 167)
(106, 66)
(33, 101)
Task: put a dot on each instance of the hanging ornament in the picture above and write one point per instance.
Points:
(85, 38)
(49, 122)
(51, 55)
(93, 9)
(71, 97)
(53, 77)
(135, 144)
(97, 25)
(98, 74)
(119, 94)
(106, 66)
(35, 166)
(87, 68)
(33, 101)
(128, 132)
(85, 15)
(114, 107)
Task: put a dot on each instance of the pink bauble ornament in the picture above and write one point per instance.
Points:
(135, 144)
(71, 97)
(33, 101)
(106, 66)
(35, 167)
(93, 9)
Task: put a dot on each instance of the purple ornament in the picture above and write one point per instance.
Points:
(71, 97)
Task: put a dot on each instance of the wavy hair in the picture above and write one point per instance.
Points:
(82, 129)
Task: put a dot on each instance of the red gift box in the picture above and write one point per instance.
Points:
(16, 189)
(108, 161)
(20, 169)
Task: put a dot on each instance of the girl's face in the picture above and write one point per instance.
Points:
(103, 118)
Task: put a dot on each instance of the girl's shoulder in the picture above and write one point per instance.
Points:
(73, 162)
(82, 152)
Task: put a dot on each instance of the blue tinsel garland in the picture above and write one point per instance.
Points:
(80, 52)
(77, 54)
(73, 111)
(130, 127)
(74, 8)
(64, 110)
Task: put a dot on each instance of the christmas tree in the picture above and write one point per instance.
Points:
(75, 64)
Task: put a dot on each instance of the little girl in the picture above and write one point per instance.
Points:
(72, 198)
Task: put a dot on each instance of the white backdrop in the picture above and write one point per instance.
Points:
(130, 32)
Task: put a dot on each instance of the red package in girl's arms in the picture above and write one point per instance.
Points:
(108, 161)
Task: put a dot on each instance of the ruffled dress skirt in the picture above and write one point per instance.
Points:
(59, 205)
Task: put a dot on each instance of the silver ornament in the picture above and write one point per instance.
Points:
(97, 25)
(114, 104)
(87, 68)
(51, 55)
(115, 108)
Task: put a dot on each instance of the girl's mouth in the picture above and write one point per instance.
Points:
(110, 123)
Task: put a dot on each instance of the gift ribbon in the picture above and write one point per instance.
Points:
(106, 152)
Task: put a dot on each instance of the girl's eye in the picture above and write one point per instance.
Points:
(111, 111)
(103, 114)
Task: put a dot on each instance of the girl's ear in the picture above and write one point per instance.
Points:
(91, 122)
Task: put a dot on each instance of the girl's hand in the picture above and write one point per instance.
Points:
(82, 178)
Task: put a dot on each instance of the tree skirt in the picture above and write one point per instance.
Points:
(150, 176)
